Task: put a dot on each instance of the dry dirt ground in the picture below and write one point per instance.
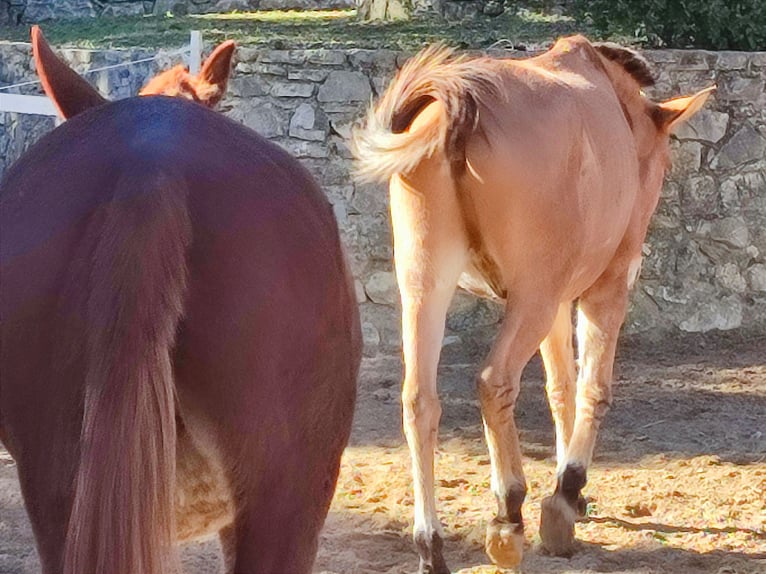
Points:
(678, 484)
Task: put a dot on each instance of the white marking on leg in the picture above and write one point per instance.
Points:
(560, 376)
(634, 269)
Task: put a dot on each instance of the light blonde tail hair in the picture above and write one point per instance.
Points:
(384, 146)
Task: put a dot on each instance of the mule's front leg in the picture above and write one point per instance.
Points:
(498, 386)
(601, 312)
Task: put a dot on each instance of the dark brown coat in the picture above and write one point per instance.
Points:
(174, 296)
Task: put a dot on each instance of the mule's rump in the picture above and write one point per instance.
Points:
(261, 356)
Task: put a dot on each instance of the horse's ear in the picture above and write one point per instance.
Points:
(214, 75)
(670, 114)
(71, 94)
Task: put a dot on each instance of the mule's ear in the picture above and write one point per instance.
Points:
(214, 75)
(71, 94)
(671, 114)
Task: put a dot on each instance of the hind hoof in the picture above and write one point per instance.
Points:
(505, 543)
(557, 526)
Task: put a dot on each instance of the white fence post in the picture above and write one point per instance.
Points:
(195, 54)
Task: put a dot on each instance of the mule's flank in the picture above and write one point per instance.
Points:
(386, 145)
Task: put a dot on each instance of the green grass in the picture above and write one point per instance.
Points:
(308, 29)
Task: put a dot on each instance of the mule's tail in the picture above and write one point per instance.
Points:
(122, 520)
(385, 145)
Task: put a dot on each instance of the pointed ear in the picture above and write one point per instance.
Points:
(71, 94)
(671, 114)
(214, 75)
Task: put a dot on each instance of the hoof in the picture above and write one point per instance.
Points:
(430, 552)
(557, 521)
(439, 568)
(505, 544)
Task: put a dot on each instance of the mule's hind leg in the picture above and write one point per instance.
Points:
(560, 377)
(601, 312)
(430, 253)
(48, 507)
(524, 327)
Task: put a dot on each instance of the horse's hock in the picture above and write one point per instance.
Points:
(704, 262)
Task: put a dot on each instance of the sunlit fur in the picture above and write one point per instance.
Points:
(532, 181)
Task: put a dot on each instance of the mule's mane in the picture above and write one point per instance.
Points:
(631, 61)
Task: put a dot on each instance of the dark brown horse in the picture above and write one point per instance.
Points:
(179, 340)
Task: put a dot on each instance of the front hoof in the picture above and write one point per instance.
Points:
(505, 543)
(557, 520)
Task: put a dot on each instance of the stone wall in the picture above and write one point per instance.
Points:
(32, 11)
(705, 259)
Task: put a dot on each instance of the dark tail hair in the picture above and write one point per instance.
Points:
(384, 147)
(122, 520)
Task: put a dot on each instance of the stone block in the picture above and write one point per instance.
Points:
(304, 124)
(731, 60)
(232, 5)
(361, 296)
(283, 57)
(304, 117)
(736, 88)
(730, 231)
(728, 276)
(292, 90)
(756, 276)
(481, 313)
(370, 339)
(124, 9)
(343, 86)
(381, 288)
(373, 59)
(249, 86)
(42, 10)
(269, 69)
(263, 117)
(707, 125)
(744, 146)
(305, 149)
(326, 57)
(724, 314)
(699, 197)
(318, 75)
(177, 7)
(694, 60)
(685, 158)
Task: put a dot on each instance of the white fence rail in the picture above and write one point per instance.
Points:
(43, 106)
(39, 105)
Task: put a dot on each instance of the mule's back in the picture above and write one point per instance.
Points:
(554, 170)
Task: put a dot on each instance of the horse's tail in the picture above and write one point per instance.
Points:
(122, 520)
(385, 145)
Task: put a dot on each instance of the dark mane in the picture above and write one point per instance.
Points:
(633, 62)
